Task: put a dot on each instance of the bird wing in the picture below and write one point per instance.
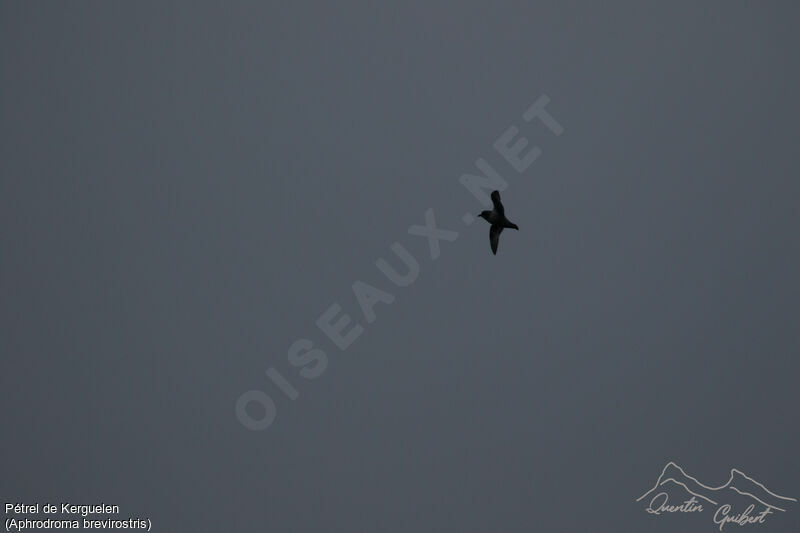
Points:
(494, 237)
(498, 206)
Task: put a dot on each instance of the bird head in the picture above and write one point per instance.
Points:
(485, 214)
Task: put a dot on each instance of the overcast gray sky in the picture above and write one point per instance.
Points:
(186, 187)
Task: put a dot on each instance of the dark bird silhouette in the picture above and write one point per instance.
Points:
(497, 218)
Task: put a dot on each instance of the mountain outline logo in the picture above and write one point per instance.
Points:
(741, 500)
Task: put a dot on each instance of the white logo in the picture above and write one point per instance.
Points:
(741, 500)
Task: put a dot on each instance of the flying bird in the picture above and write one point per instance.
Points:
(497, 218)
